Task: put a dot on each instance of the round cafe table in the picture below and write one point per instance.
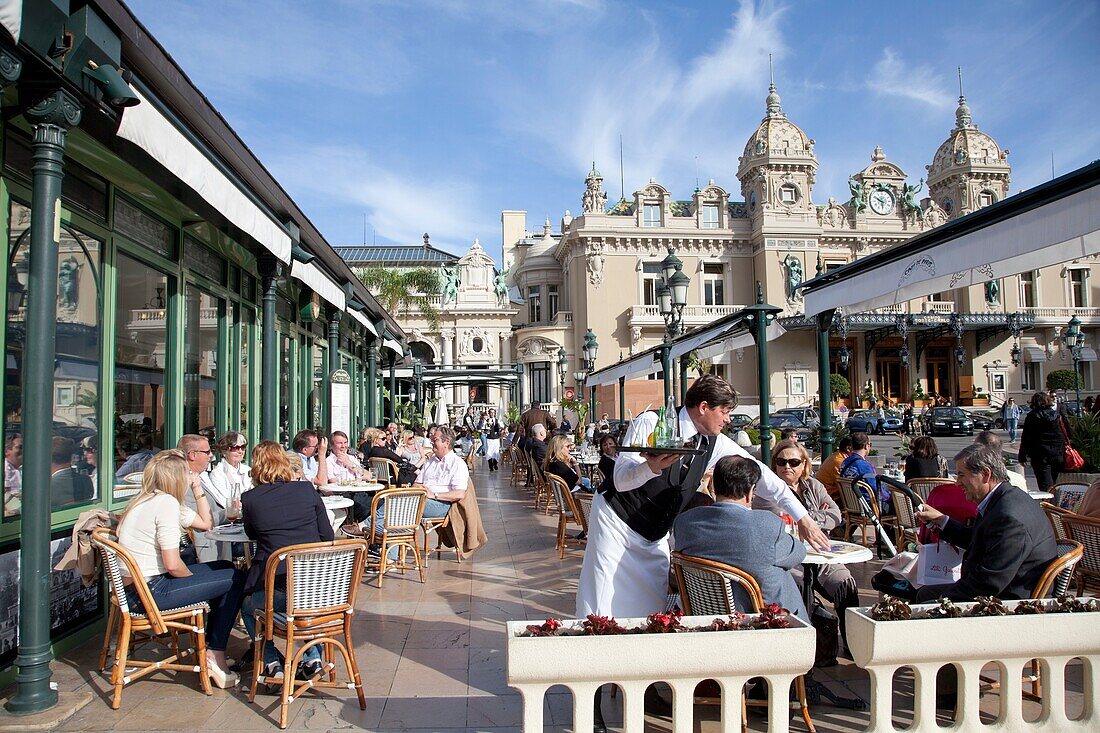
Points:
(353, 488)
(233, 534)
(338, 509)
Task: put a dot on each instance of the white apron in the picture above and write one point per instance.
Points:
(623, 574)
(492, 449)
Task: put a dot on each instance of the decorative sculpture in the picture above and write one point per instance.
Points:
(858, 202)
(68, 282)
(500, 286)
(909, 205)
(992, 292)
(794, 272)
(450, 285)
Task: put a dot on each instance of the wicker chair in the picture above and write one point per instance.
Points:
(567, 511)
(854, 514)
(1086, 530)
(385, 470)
(904, 520)
(1069, 494)
(127, 626)
(706, 587)
(471, 456)
(434, 524)
(922, 487)
(1055, 515)
(321, 584)
(400, 522)
(519, 465)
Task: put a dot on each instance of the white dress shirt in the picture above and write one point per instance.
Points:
(631, 470)
(441, 475)
(338, 471)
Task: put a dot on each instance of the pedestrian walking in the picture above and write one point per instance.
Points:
(1010, 417)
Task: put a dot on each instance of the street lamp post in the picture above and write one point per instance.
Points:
(1075, 340)
(590, 349)
(758, 317)
(671, 293)
(562, 360)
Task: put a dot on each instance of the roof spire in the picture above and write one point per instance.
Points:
(962, 114)
(773, 101)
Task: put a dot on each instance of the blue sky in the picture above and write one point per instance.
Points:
(434, 115)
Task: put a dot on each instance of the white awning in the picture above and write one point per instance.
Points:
(363, 320)
(1059, 230)
(739, 341)
(1034, 353)
(145, 126)
(629, 369)
(312, 276)
(393, 346)
(705, 335)
(1087, 354)
(11, 17)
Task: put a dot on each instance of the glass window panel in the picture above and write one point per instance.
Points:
(317, 391)
(284, 386)
(76, 376)
(651, 215)
(534, 304)
(552, 292)
(200, 362)
(141, 351)
(246, 325)
(710, 217)
(143, 229)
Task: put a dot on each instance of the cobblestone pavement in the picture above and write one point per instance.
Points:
(432, 654)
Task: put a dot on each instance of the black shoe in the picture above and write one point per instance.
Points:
(309, 669)
(374, 551)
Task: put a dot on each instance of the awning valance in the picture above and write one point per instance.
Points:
(741, 340)
(393, 346)
(319, 282)
(1049, 224)
(147, 127)
(629, 369)
(1087, 354)
(1034, 353)
(366, 322)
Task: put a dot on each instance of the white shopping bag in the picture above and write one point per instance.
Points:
(938, 563)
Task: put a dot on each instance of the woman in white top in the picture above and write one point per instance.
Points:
(150, 530)
(409, 448)
(225, 483)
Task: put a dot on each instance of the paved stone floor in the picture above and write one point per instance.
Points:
(432, 655)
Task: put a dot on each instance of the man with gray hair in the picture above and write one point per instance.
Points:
(1010, 543)
(536, 444)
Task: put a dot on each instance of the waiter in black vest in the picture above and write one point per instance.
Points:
(625, 568)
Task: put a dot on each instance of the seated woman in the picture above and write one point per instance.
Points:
(376, 438)
(150, 530)
(559, 462)
(791, 463)
(280, 511)
(609, 451)
(925, 461)
(410, 449)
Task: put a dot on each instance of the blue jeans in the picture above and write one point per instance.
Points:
(255, 602)
(1010, 425)
(218, 583)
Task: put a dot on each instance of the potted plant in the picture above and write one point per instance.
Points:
(867, 397)
(918, 397)
(839, 388)
(980, 398)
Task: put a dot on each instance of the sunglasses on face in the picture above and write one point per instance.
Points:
(792, 462)
(242, 446)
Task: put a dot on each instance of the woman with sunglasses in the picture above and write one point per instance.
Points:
(791, 463)
(224, 484)
(409, 449)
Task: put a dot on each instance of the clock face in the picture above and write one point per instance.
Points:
(882, 202)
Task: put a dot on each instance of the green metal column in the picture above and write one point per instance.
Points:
(666, 368)
(393, 387)
(372, 381)
(52, 118)
(333, 340)
(622, 398)
(269, 379)
(825, 409)
(760, 316)
(519, 384)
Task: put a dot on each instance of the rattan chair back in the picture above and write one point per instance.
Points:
(321, 577)
(115, 558)
(1085, 530)
(385, 470)
(1056, 515)
(404, 509)
(922, 487)
(1056, 578)
(1068, 495)
(707, 586)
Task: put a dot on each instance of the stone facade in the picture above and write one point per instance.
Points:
(602, 268)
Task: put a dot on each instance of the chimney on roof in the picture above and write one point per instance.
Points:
(427, 240)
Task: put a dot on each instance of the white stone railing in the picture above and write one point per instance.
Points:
(1061, 315)
(634, 662)
(694, 315)
(943, 307)
(926, 645)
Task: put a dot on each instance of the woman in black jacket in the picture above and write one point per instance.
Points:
(376, 439)
(278, 512)
(559, 462)
(925, 461)
(1043, 440)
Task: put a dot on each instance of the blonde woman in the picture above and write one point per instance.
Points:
(409, 448)
(791, 463)
(559, 462)
(150, 530)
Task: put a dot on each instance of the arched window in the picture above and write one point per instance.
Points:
(423, 352)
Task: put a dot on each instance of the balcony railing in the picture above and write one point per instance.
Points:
(560, 320)
(943, 307)
(1060, 315)
(145, 318)
(694, 315)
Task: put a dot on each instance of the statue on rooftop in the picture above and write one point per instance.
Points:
(450, 285)
(858, 202)
(500, 286)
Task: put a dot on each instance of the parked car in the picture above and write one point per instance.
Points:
(808, 415)
(866, 421)
(781, 422)
(947, 421)
(986, 420)
(740, 421)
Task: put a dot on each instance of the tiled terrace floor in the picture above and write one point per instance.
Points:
(432, 655)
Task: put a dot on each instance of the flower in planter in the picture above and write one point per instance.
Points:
(773, 616)
(1024, 608)
(987, 606)
(946, 609)
(548, 628)
(595, 625)
(891, 609)
(731, 623)
(1072, 604)
(663, 623)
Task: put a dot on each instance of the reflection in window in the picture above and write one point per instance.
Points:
(284, 388)
(76, 376)
(317, 392)
(247, 318)
(140, 355)
(200, 362)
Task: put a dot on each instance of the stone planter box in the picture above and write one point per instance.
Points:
(633, 662)
(925, 645)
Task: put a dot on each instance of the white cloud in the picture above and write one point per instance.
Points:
(892, 77)
(596, 86)
(401, 206)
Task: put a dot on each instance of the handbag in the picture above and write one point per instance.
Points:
(1071, 460)
(938, 563)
